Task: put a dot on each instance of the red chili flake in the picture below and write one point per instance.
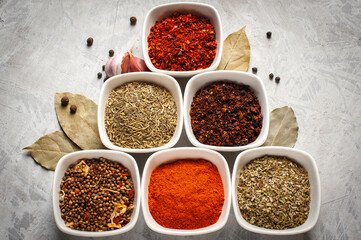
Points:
(120, 184)
(77, 191)
(226, 114)
(182, 42)
(125, 174)
(131, 193)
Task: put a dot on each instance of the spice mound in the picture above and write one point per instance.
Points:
(186, 194)
(226, 114)
(274, 193)
(140, 115)
(182, 42)
(96, 195)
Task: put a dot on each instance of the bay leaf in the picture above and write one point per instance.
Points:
(48, 149)
(236, 52)
(81, 127)
(283, 129)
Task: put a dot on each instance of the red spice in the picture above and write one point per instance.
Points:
(186, 194)
(226, 114)
(182, 42)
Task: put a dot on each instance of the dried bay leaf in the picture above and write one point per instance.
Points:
(81, 127)
(283, 129)
(236, 52)
(48, 149)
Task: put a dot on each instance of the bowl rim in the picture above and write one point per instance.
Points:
(137, 76)
(277, 151)
(217, 58)
(94, 153)
(223, 76)
(186, 232)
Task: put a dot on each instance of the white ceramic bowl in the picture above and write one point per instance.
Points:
(125, 159)
(199, 9)
(171, 155)
(201, 80)
(159, 79)
(301, 157)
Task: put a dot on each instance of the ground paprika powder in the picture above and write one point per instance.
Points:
(182, 42)
(186, 194)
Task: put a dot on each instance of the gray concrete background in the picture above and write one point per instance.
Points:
(315, 49)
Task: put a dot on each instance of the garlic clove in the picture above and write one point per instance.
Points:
(113, 66)
(137, 64)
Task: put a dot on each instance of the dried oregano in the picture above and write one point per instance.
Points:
(140, 115)
(274, 193)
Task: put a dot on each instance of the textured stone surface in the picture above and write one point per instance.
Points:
(315, 48)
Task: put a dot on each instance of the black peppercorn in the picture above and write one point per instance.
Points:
(73, 108)
(269, 34)
(64, 101)
(133, 20)
(103, 68)
(254, 70)
(99, 75)
(277, 79)
(106, 78)
(111, 53)
(270, 76)
(90, 41)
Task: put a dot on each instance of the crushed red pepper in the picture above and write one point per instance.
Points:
(182, 42)
(226, 114)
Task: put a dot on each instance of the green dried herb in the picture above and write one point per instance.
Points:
(274, 193)
(140, 115)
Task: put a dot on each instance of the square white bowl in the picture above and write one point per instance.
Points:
(159, 79)
(123, 158)
(170, 155)
(302, 158)
(204, 79)
(198, 9)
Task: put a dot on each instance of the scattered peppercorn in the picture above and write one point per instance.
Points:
(103, 68)
(73, 108)
(100, 75)
(90, 41)
(64, 101)
(269, 34)
(133, 20)
(111, 53)
(106, 78)
(254, 70)
(270, 76)
(277, 79)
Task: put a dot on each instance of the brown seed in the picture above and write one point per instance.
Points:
(254, 70)
(73, 108)
(270, 76)
(277, 79)
(133, 20)
(90, 41)
(99, 75)
(64, 101)
(111, 53)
